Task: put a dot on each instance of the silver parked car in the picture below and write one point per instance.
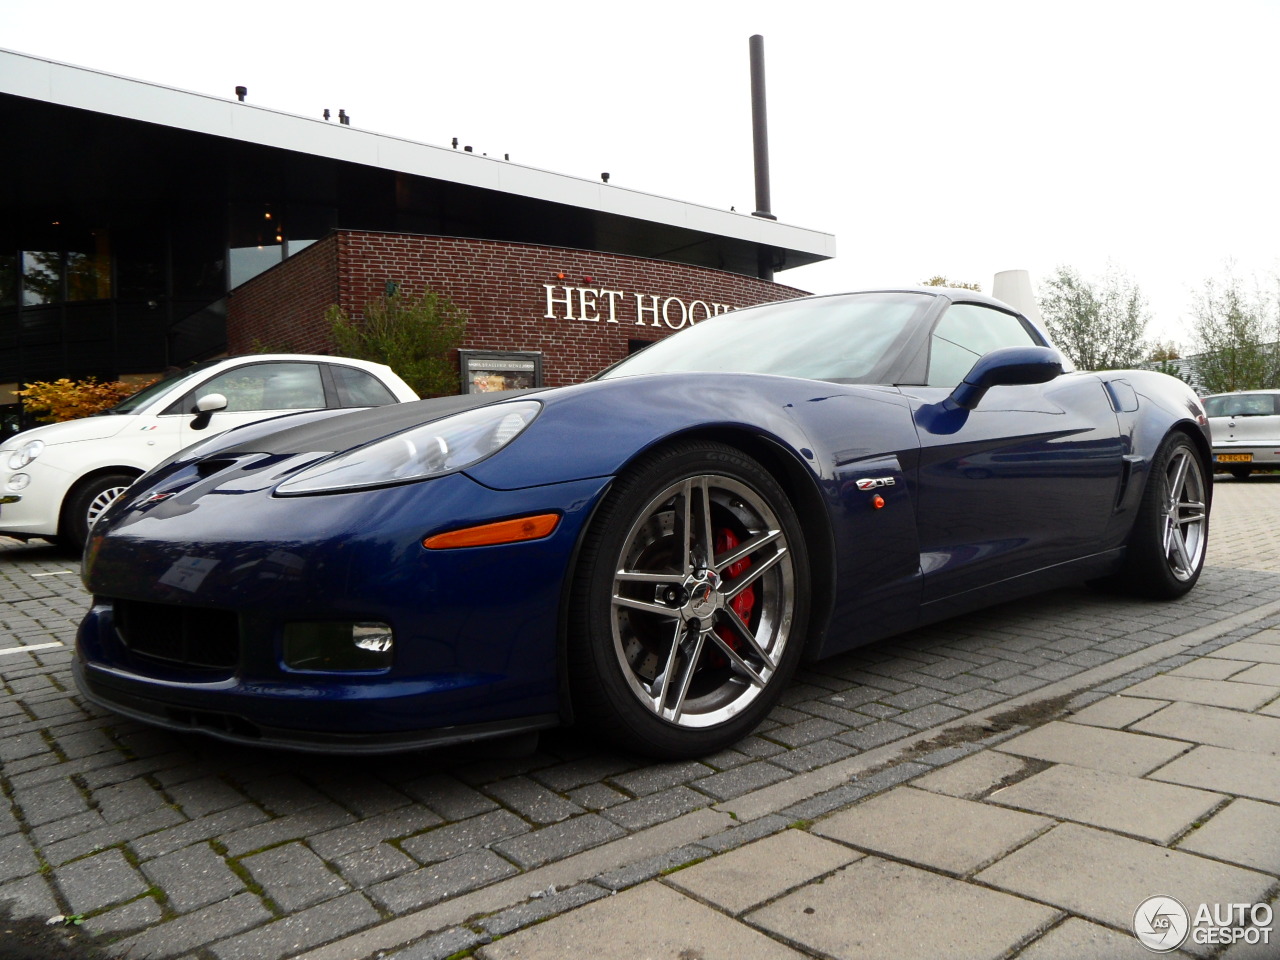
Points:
(1246, 430)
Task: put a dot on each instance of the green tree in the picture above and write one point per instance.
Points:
(411, 335)
(941, 281)
(1099, 325)
(1236, 334)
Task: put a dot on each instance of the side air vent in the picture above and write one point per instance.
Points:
(207, 468)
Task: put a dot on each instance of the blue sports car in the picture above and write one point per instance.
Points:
(649, 554)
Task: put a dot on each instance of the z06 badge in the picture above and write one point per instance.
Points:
(872, 484)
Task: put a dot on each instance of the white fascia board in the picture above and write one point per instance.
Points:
(38, 78)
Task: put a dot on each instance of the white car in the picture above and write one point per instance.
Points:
(55, 480)
(1246, 430)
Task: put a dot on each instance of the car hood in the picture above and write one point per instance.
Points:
(73, 431)
(350, 430)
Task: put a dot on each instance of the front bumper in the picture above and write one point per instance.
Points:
(98, 687)
(35, 508)
(476, 631)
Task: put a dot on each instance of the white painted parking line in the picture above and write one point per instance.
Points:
(29, 648)
(52, 573)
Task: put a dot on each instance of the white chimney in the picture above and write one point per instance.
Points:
(1014, 288)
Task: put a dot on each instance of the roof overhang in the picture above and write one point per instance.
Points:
(65, 85)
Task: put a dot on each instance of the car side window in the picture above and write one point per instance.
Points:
(359, 388)
(967, 331)
(268, 386)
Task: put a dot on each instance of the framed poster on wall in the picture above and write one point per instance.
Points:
(488, 371)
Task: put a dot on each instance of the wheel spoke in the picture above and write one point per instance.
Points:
(731, 616)
(663, 680)
(690, 667)
(686, 532)
(748, 546)
(708, 539)
(1190, 512)
(637, 576)
(737, 661)
(1180, 547)
(755, 573)
(647, 606)
(1179, 480)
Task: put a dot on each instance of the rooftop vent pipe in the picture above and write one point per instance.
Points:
(760, 142)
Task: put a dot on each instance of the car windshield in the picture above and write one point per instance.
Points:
(134, 403)
(848, 339)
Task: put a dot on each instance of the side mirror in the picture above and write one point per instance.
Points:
(1007, 366)
(205, 408)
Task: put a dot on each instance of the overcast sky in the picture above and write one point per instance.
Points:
(931, 137)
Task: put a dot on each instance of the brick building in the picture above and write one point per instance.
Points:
(557, 314)
(143, 228)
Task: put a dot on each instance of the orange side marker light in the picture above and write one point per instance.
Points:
(877, 501)
(491, 534)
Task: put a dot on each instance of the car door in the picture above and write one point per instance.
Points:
(1026, 480)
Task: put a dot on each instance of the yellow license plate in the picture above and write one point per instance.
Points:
(1233, 457)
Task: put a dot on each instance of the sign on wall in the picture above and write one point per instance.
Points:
(488, 371)
(602, 305)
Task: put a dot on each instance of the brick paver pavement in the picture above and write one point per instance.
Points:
(1033, 732)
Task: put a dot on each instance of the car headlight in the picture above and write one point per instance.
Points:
(430, 450)
(25, 454)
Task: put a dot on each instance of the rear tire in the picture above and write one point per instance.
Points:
(1170, 534)
(689, 603)
(88, 502)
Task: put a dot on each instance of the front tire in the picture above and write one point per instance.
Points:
(88, 502)
(1170, 534)
(689, 604)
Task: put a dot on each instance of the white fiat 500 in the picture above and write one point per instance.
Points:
(55, 480)
(1246, 430)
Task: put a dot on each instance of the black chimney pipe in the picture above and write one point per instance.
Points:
(760, 142)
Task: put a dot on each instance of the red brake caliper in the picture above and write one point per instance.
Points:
(744, 602)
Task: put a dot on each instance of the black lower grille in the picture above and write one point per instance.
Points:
(193, 636)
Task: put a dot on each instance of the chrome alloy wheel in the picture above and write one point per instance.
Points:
(703, 600)
(1184, 514)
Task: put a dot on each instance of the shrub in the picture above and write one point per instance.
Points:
(411, 335)
(59, 400)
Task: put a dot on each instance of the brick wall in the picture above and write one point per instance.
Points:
(597, 301)
(282, 310)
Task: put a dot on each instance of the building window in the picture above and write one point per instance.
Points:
(89, 267)
(257, 240)
(8, 280)
(41, 277)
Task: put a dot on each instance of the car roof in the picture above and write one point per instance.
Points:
(300, 357)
